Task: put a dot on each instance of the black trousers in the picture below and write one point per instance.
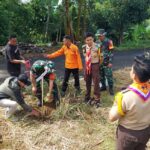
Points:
(15, 74)
(75, 73)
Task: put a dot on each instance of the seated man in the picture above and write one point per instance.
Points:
(10, 95)
(44, 70)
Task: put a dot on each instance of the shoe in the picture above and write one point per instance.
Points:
(103, 88)
(111, 91)
(86, 101)
(89, 101)
(97, 103)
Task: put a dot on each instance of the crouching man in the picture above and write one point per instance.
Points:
(11, 95)
(44, 70)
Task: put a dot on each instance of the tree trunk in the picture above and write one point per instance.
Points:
(67, 18)
(80, 2)
(84, 17)
(47, 23)
(60, 35)
(121, 33)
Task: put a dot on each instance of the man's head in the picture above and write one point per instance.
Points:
(13, 40)
(23, 80)
(50, 66)
(89, 39)
(101, 34)
(140, 71)
(67, 40)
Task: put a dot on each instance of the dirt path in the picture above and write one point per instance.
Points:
(121, 60)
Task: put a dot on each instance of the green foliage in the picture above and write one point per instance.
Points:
(42, 21)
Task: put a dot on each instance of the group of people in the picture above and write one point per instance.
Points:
(131, 106)
(98, 63)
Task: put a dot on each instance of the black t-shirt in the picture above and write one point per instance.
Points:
(12, 52)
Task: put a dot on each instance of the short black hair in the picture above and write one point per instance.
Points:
(68, 37)
(12, 36)
(141, 68)
(88, 34)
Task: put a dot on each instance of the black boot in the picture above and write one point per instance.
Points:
(111, 91)
(103, 88)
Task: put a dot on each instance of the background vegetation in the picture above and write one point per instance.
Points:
(45, 21)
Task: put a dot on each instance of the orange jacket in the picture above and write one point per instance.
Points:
(72, 56)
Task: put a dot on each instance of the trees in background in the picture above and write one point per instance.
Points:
(44, 21)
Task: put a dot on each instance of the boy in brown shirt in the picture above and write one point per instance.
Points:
(91, 51)
(132, 108)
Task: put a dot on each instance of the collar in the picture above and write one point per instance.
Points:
(141, 89)
(88, 47)
(69, 46)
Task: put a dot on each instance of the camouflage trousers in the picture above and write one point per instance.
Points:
(106, 73)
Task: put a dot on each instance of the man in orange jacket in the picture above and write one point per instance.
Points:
(73, 62)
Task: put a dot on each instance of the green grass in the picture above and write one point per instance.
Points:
(133, 45)
(73, 125)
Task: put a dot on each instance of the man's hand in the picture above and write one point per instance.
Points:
(109, 65)
(45, 55)
(35, 113)
(34, 89)
(23, 61)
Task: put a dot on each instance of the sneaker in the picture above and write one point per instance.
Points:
(91, 102)
(97, 103)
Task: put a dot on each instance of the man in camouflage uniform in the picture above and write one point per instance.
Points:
(44, 69)
(106, 67)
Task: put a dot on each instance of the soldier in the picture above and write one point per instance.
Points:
(106, 67)
(132, 108)
(44, 69)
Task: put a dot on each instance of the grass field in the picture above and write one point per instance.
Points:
(73, 126)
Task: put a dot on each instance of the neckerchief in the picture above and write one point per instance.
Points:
(141, 89)
(88, 59)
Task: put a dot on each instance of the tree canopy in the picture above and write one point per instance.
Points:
(48, 20)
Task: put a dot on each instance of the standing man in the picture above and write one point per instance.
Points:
(13, 57)
(11, 95)
(92, 54)
(73, 62)
(106, 67)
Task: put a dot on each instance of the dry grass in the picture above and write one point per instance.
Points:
(73, 125)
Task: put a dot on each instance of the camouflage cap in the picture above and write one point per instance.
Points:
(100, 32)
